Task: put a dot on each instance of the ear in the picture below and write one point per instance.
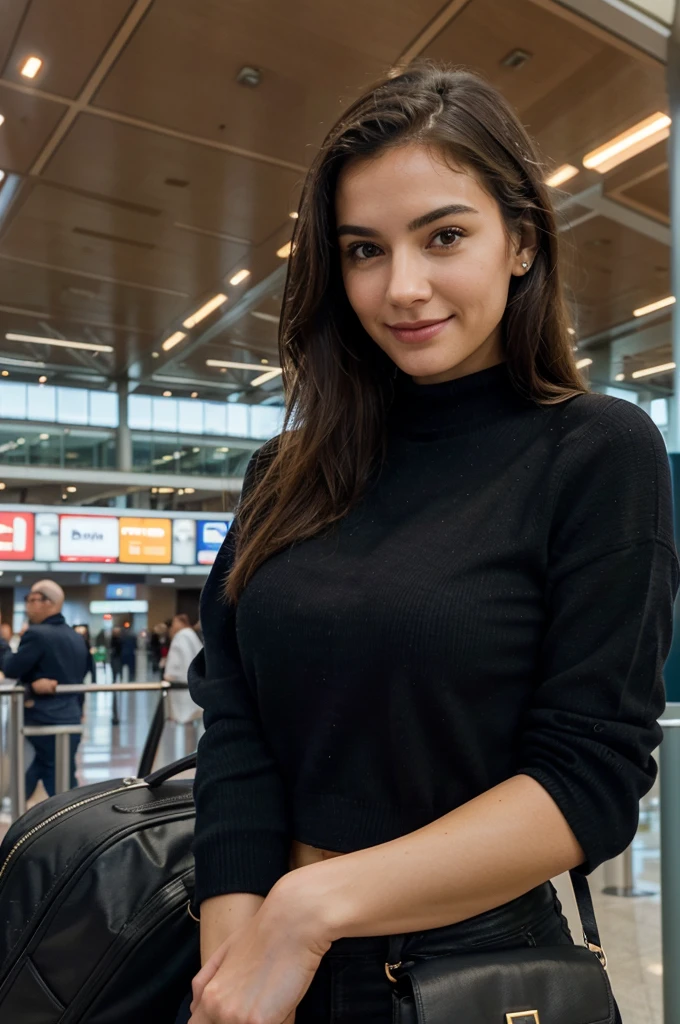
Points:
(524, 248)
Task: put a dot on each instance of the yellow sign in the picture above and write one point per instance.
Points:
(145, 540)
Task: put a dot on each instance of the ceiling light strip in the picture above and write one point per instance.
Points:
(653, 306)
(662, 368)
(173, 340)
(629, 143)
(227, 365)
(205, 311)
(564, 173)
(88, 346)
(265, 377)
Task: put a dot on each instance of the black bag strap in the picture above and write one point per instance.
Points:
(586, 910)
(169, 770)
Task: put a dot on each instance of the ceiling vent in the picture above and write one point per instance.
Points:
(249, 76)
(516, 59)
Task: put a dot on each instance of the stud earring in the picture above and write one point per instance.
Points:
(525, 265)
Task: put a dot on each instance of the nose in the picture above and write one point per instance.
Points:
(409, 282)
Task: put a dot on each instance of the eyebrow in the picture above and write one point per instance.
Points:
(454, 209)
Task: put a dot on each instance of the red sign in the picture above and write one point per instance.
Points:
(16, 536)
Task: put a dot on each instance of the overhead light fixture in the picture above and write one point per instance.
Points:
(662, 368)
(562, 174)
(31, 67)
(189, 490)
(2, 175)
(166, 490)
(638, 138)
(167, 579)
(269, 317)
(582, 363)
(21, 440)
(154, 355)
(263, 378)
(223, 449)
(71, 489)
(620, 376)
(2, 487)
(5, 373)
(33, 363)
(42, 380)
(194, 394)
(570, 330)
(265, 361)
(294, 214)
(195, 450)
(44, 437)
(35, 339)
(167, 394)
(284, 251)
(170, 342)
(653, 306)
(2, 120)
(241, 276)
(227, 365)
(204, 311)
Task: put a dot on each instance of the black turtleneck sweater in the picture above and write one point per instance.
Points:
(499, 602)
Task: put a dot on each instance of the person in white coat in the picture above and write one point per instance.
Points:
(184, 646)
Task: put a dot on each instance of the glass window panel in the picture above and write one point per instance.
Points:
(628, 396)
(139, 412)
(13, 401)
(104, 408)
(190, 416)
(658, 410)
(215, 418)
(238, 420)
(164, 413)
(42, 402)
(72, 405)
(265, 420)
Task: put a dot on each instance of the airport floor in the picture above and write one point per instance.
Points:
(630, 927)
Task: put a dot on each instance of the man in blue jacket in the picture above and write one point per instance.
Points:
(49, 653)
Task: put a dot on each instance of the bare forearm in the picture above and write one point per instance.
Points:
(479, 856)
(222, 915)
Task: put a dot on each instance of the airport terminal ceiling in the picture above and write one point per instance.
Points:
(142, 178)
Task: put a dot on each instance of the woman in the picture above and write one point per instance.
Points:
(434, 638)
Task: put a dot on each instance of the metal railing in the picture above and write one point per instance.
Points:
(669, 817)
(18, 730)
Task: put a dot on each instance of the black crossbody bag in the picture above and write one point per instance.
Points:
(544, 985)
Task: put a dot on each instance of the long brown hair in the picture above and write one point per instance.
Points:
(337, 381)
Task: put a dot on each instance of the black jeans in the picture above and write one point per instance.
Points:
(351, 986)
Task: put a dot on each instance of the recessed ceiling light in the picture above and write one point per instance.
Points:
(173, 340)
(154, 490)
(629, 143)
(21, 440)
(2, 487)
(294, 214)
(264, 377)
(194, 394)
(64, 497)
(2, 175)
(167, 394)
(167, 579)
(189, 490)
(265, 361)
(582, 363)
(223, 449)
(205, 311)
(232, 366)
(154, 355)
(31, 67)
(5, 373)
(195, 450)
(562, 174)
(284, 251)
(35, 339)
(2, 120)
(570, 330)
(71, 489)
(662, 368)
(44, 437)
(653, 306)
(620, 376)
(241, 276)
(42, 380)
(166, 490)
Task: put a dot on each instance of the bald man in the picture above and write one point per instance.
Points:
(50, 653)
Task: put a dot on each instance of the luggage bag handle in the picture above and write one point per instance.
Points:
(168, 771)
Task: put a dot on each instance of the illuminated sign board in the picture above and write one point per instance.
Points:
(16, 536)
(145, 540)
(88, 538)
(211, 534)
(184, 541)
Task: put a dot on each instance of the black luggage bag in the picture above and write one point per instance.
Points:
(95, 890)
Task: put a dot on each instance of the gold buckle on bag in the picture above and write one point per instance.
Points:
(392, 967)
(523, 1017)
(599, 953)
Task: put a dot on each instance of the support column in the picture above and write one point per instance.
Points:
(124, 440)
(673, 78)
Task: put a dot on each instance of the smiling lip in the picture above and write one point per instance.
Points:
(419, 330)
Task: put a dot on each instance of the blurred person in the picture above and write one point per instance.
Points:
(84, 631)
(5, 641)
(156, 641)
(50, 653)
(184, 646)
(116, 654)
(128, 652)
(435, 634)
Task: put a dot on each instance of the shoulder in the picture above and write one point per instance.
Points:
(259, 461)
(593, 426)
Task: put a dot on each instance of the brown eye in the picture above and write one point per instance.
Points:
(363, 251)
(448, 236)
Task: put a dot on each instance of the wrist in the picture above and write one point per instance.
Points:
(308, 900)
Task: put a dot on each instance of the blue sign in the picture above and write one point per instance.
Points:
(211, 534)
(121, 591)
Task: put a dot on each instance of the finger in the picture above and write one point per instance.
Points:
(206, 974)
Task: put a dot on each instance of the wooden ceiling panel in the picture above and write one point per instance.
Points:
(29, 122)
(613, 271)
(74, 300)
(209, 189)
(85, 234)
(12, 12)
(650, 195)
(69, 36)
(180, 68)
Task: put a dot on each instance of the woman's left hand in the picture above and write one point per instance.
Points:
(262, 971)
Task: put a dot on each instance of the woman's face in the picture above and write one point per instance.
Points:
(426, 261)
